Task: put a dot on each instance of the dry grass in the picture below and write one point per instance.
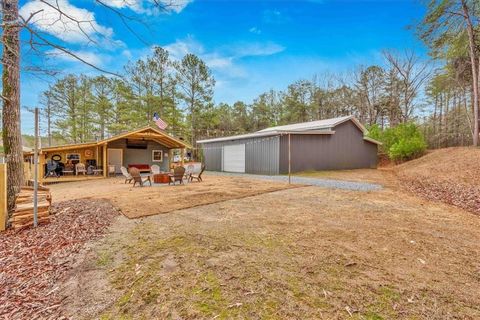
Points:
(306, 253)
(383, 176)
(145, 201)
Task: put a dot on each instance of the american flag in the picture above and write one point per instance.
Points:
(159, 122)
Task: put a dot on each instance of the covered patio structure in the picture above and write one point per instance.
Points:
(141, 148)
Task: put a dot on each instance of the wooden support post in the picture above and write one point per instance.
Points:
(35, 173)
(41, 165)
(289, 161)
(3, 196)
(96, 156)
(105, 169)
(183, 156)
(170, 159)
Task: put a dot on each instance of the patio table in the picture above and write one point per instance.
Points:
(161, 178)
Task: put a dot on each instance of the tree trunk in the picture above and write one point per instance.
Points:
(476, 111)
(446, 120)
(12, 137)
(440, 122)
(475, 76)
(434, 140)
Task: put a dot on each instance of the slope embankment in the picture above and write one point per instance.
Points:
(450, 175)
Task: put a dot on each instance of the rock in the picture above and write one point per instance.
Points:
(169, 265)
(212, 262)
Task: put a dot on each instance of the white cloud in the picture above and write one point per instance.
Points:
(274, 17)
(254, 30)
(177, 5)
(213, 59)
(75, 25)
(222, 56)
(134, 5)
(224, 61)
(180, 48)
(127, 53)
(88, 56)
(142, 6)
(257, 49)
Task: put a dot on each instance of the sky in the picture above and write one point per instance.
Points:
(250, 46)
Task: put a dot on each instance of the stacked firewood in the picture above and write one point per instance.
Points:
(23, 215)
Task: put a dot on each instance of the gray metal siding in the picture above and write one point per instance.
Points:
(212, 156)
(261, 155)
(346, 149)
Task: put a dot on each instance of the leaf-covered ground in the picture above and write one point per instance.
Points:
(450, 175)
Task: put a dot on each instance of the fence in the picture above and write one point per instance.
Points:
(27, 172)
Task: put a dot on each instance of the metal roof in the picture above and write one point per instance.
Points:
(240, 136)
(315, 125)
(324, 126)
(265, 134)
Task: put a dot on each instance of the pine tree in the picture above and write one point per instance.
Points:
(196, 84)
(11, 133)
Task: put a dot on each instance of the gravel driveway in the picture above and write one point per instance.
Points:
(326, 183)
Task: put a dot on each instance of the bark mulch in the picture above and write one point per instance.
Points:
(33, 261)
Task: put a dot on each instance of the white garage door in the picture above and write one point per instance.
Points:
(234, 158)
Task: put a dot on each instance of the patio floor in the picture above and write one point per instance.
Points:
(54, 180)
(136, 202)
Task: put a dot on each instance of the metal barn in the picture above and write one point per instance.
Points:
(330, 144)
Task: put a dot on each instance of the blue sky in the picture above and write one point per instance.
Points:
(251, 46)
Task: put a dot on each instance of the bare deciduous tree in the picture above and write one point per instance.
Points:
(412, 72)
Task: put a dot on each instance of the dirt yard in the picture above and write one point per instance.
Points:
(136, 202)
(383, 176)
(303, 253)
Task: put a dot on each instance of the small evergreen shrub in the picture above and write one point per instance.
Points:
(400, 143)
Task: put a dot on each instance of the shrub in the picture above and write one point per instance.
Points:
(400, 143)
(406, 149)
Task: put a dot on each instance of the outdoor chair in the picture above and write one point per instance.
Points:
(51, 169)
(68, 169)
(80, 168)
(111, 170)
(188, 172)
(137, 178)
(199, 176)
(155, 169)
(128, 176)
(178, 174)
